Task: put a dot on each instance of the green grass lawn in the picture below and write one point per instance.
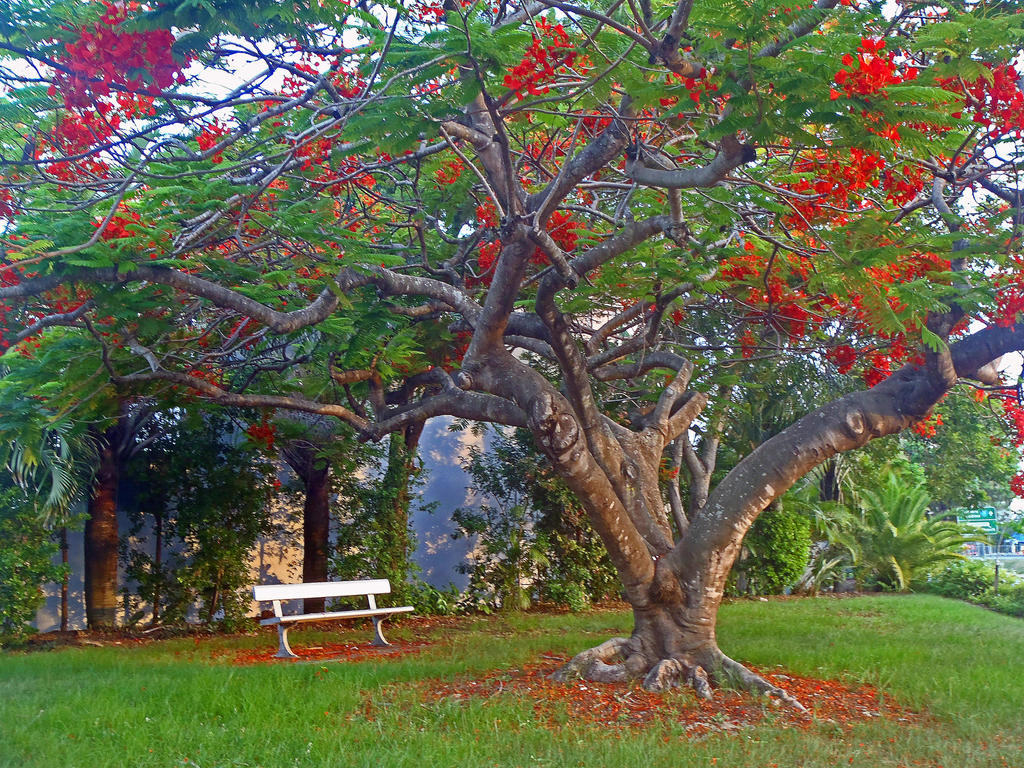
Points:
(179, 703)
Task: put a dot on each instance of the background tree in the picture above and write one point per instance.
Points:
(206, 494)
(305, 455)
(63, 459)
(532, 538)
(967, 453)
(586, 221)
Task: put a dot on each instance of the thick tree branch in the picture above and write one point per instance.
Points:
(453, 402)
(675, 498)
(670, 395)
(281, 322)
(590, 159)
(624, 240)
(63, 318)
(571, 360)
(808, 22)
(730, 157)
(392, 283)
(649, 362)
(224, 397)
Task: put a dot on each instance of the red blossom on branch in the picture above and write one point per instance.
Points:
(105, 57)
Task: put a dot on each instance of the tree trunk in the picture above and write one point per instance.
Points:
(158, 556)
(101, 539)
(315, 473)
(64, 579)
(395, 509)
(316, 519)
(675, 591)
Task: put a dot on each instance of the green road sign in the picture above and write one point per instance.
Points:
(983, 518)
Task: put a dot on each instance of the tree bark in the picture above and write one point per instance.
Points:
(316, 519)
(158, 558)
(64, 579)
(101, 538)
(399, 475)
(315, 473)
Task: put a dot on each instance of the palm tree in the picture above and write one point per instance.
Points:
(51, 462)
(891, 536)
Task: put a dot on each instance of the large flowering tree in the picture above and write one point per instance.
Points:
(590, 219)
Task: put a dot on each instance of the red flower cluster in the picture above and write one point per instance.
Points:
(903, 186)
(915, 266)
(779, 299)
(106, 58)
(210, 136)
(697, 87)
(879, 367)
(121, 226)
(1017, 485)
(450, 172)
(431, 11)
(1014, 415)
(870, 72)
(262, 434)
(927, 427)
(7, 202)
(1010, 293)
(547, 52)
(486, 215)
(997, 104)
(564, 231)
(844, 357)
(489, 253)
(834, 178)
(839, 179)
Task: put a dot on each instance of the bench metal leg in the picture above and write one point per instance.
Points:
(378, 636)
(284, 651)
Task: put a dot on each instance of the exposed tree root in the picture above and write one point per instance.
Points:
(738, 676)
(603, 664)
(619, 660)
(674, 673)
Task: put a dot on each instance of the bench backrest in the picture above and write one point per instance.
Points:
(263, 592)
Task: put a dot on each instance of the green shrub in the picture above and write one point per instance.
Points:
(1010, 600)
(579, 572)
(532, 537)
(963, 579)
(892, 538)
(973, 581)
(210, 498)
(778, 548)
(428, 600)
(26, 563)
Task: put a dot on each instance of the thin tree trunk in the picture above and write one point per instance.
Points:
(158, 553)
(64, 579)
(101, 540)
(398, 477)
(316, 518)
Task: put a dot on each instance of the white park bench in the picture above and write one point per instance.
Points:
(278, 593)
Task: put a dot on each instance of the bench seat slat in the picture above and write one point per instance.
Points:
(315, 589)
(295, 619)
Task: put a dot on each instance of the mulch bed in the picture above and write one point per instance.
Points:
(629, 706)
